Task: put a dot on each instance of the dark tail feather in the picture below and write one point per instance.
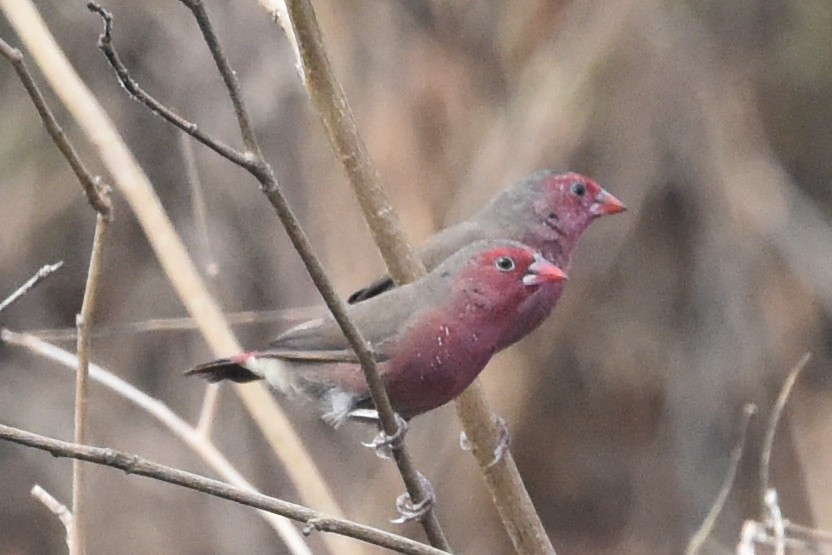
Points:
(223, 369)
(376, 288)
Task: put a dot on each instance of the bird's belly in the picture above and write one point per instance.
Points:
(436, 376)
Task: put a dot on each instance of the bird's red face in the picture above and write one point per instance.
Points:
(569, 202)
(507, 275)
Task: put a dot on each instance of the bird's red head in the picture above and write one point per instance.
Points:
(506, 272)
(567, 203)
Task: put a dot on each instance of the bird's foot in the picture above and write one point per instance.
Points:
(384, 444)
(503, 444)
(410, 511)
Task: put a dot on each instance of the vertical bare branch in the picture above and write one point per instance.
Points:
(503, 479)
(84, 324)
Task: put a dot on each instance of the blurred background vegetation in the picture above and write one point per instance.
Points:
(711, 120)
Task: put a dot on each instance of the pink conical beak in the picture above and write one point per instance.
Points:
(606, 204)
(542, 271)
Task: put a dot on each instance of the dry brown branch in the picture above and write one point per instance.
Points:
(201, 445)
(502, 477)
(168, 247)
(97, 193)
(774, 419)
(84, 322)
(56, 508)
(705, 529)
(254, 162)
(133, 464)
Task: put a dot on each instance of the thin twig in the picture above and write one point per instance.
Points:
(84, 324)
(56, 508)
(705, 529)
(97, 193)
(133, 183)
(813, 533)
(133, 464)
(245, 317)
(138, 94)
(504, 482)
(774, 419)
(180, 429)
(256, 164)
(30, 283)
(200, 212)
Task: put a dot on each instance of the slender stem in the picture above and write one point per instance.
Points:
(698, 539)
(84, 324)
(133, 464)
(774, 419)
(244, 317)
(30, 284)
(56, 508)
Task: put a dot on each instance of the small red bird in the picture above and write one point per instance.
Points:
(547, 211)
(431, 337)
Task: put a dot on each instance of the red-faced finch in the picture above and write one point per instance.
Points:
(431, 337)
(547, 211)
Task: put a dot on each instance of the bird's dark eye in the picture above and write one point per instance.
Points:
(504, 264)
(553, 216)
(578, 189)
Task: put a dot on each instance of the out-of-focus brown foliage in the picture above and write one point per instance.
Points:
(712, 121)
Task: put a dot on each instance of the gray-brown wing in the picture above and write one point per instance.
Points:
(380, 319)
(438, 248)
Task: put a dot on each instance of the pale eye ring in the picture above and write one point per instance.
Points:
(578, 189)
(504, 264)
